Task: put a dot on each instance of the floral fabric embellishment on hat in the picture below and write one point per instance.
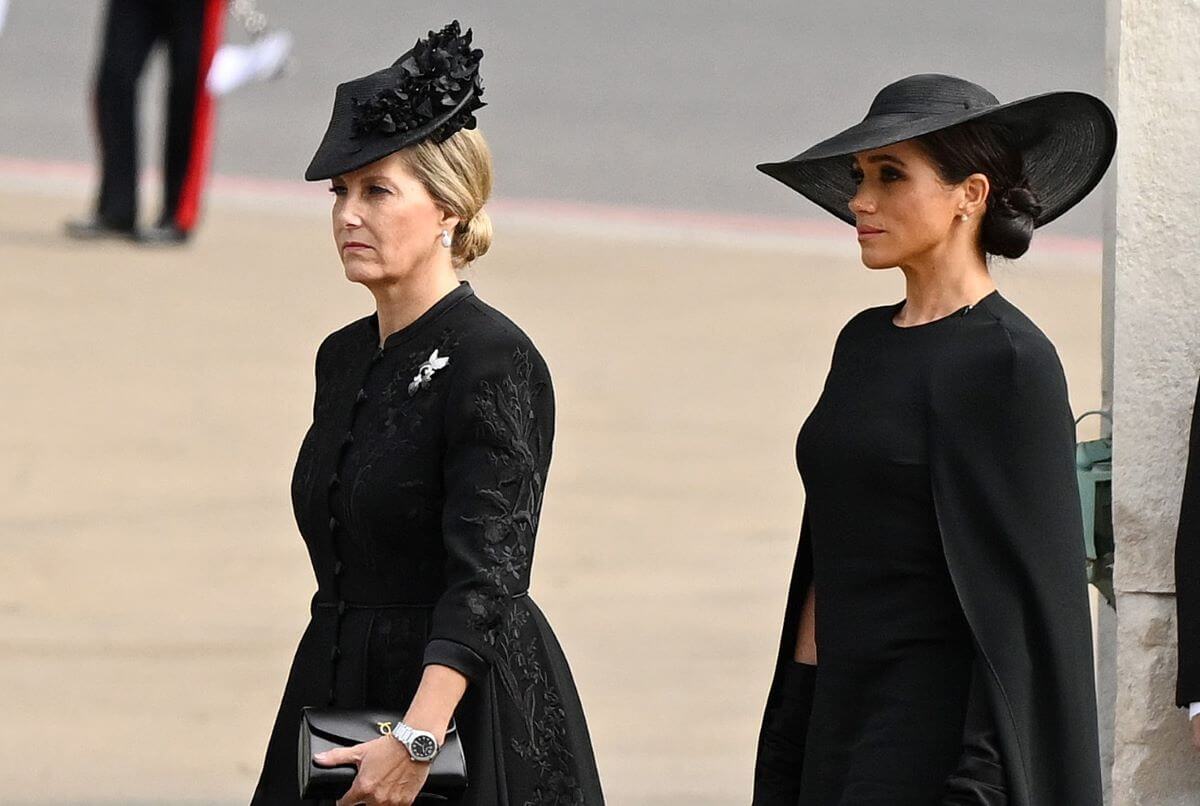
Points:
(425, 372)
(439, 74)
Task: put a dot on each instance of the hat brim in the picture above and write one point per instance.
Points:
(1067, 140)
(340, 152)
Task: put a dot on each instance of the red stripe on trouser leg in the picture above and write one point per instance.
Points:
(197, 170)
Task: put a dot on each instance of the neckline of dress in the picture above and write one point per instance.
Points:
(448, 301)
(963, 311)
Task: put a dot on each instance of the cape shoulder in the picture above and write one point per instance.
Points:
(998, 355)
(998, 342)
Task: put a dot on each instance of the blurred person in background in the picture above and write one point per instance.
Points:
(419, 485)
(1187, 583)
(937, 646)
(191, 31)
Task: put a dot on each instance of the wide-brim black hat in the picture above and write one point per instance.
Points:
(432, 91)
(1066, 139)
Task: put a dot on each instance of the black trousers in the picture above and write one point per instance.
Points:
(190, 29)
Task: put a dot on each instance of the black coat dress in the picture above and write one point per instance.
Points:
(1187, 572)
(999, 448)
(417, 492)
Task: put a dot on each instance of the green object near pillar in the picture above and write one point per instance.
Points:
(1093, 471)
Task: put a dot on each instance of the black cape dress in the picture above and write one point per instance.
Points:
(994, 460)
(417, 491)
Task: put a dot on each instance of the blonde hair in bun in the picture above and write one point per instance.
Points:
(457, 173)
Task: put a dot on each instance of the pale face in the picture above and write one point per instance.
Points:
(904, 212)
(385, 224)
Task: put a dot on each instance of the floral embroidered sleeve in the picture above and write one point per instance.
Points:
(499, 429)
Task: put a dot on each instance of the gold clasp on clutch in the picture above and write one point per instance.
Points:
(385, 728)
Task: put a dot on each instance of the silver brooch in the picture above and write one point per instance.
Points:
(425, 372)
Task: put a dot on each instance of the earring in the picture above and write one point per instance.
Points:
(964, 217)
(446, 239)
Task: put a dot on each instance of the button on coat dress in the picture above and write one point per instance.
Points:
(417, 491)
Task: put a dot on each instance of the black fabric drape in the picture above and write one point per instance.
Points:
(1187, 572)
(1008, 508)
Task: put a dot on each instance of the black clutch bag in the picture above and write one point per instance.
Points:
(324, 729)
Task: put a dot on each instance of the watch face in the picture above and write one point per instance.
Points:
(423, 747)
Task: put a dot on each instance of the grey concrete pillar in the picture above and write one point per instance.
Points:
(1106, 621)
(1156, 356)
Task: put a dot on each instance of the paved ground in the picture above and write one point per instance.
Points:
(153, 582)
(656, 104)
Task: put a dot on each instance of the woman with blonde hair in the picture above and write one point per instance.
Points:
(418, 487)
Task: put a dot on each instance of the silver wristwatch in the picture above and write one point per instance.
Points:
(421, 744)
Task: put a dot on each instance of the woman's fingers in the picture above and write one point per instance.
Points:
(354, 797)
(340, 755)
(386, 776)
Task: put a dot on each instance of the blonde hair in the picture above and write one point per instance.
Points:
(457, 173)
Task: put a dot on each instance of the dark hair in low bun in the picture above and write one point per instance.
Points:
(1008, 223)
(987, 148)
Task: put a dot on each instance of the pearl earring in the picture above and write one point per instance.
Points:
(964, 217)
(446, 239)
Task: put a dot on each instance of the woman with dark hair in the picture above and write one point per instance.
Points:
(419, 485)
(936, 642)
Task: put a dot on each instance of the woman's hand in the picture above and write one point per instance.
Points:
(387, 775)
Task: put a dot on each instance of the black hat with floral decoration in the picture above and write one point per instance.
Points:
(430, 92)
